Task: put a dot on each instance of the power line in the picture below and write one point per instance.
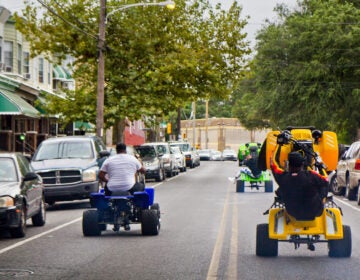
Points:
(66, 21)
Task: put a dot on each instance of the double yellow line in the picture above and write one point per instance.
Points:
(231, 270)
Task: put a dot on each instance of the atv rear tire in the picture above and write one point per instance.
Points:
(150, 224)
(265, 247)
(240, 186)
(90, 223)
(269, 186)
(341, 248)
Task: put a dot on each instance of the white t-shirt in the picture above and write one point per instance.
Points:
(121, 169)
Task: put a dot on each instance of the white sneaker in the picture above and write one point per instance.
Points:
(232, 179)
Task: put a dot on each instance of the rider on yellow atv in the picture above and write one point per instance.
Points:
(303, 191)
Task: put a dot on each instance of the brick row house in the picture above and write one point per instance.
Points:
(24, 81)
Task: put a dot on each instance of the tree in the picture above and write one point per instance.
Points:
(153, 66)
(307, 67)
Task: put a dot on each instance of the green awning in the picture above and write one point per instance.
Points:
(84, 125)
(12, 104)
(60, 73)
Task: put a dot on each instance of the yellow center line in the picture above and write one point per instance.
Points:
(215, 260)
(232, 266)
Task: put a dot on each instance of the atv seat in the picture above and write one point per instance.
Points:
(303, 223)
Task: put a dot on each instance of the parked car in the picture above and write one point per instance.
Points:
(205, 154)
(152, 162)
(69, 166)
(229, 154)
(21, 195)
(179, 157)
(163, 149)
(348, 173)
(216, 155)
(191, 155)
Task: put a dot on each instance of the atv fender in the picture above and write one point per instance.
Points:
(282, 225)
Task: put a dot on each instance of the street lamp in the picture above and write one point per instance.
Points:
(101, 57)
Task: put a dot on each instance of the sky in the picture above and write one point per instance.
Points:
(258, 10)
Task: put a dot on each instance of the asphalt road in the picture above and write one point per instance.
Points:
(207, 232)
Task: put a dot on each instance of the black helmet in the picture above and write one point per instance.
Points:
(296, 159)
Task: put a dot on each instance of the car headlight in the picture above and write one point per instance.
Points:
(89, 175)
(6, 201)
(151, 164)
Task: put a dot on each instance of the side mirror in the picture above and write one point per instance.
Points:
(30, 176)
(104, 154)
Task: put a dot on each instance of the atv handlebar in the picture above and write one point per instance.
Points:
(285, 137)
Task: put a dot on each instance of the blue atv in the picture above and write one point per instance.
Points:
(122, 209)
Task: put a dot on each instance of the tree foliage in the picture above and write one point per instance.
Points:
(306, 69)
(157, 60)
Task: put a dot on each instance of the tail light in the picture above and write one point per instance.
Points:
(357, 164)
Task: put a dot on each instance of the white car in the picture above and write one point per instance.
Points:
(179, 158)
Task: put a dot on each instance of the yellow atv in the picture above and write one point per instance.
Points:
(320, 150)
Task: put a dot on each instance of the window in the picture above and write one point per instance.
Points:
(41, 70)
(26, 63)
(1, 49)
(19, 58)
(8, 54)
(49, 73)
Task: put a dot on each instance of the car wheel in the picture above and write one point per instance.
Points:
(358, 195)
(20, 230)
(39, 219)
(350, 194)
(335, 188)
(160, 175)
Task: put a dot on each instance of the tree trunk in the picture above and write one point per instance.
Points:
(119, 131)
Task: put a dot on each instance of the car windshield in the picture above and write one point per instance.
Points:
(175, 150)
(146, 152)
(66, 149)
(184, 147)
(7, 170)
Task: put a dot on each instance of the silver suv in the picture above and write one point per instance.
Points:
(348, 172)
(69, 166)
(163, 148)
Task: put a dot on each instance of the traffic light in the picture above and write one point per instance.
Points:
(22, 137)
(168, 128)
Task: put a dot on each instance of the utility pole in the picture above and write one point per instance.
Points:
(101, 71)
(193, 105)
(206, 123)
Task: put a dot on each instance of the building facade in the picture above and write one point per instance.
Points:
(24, 81)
